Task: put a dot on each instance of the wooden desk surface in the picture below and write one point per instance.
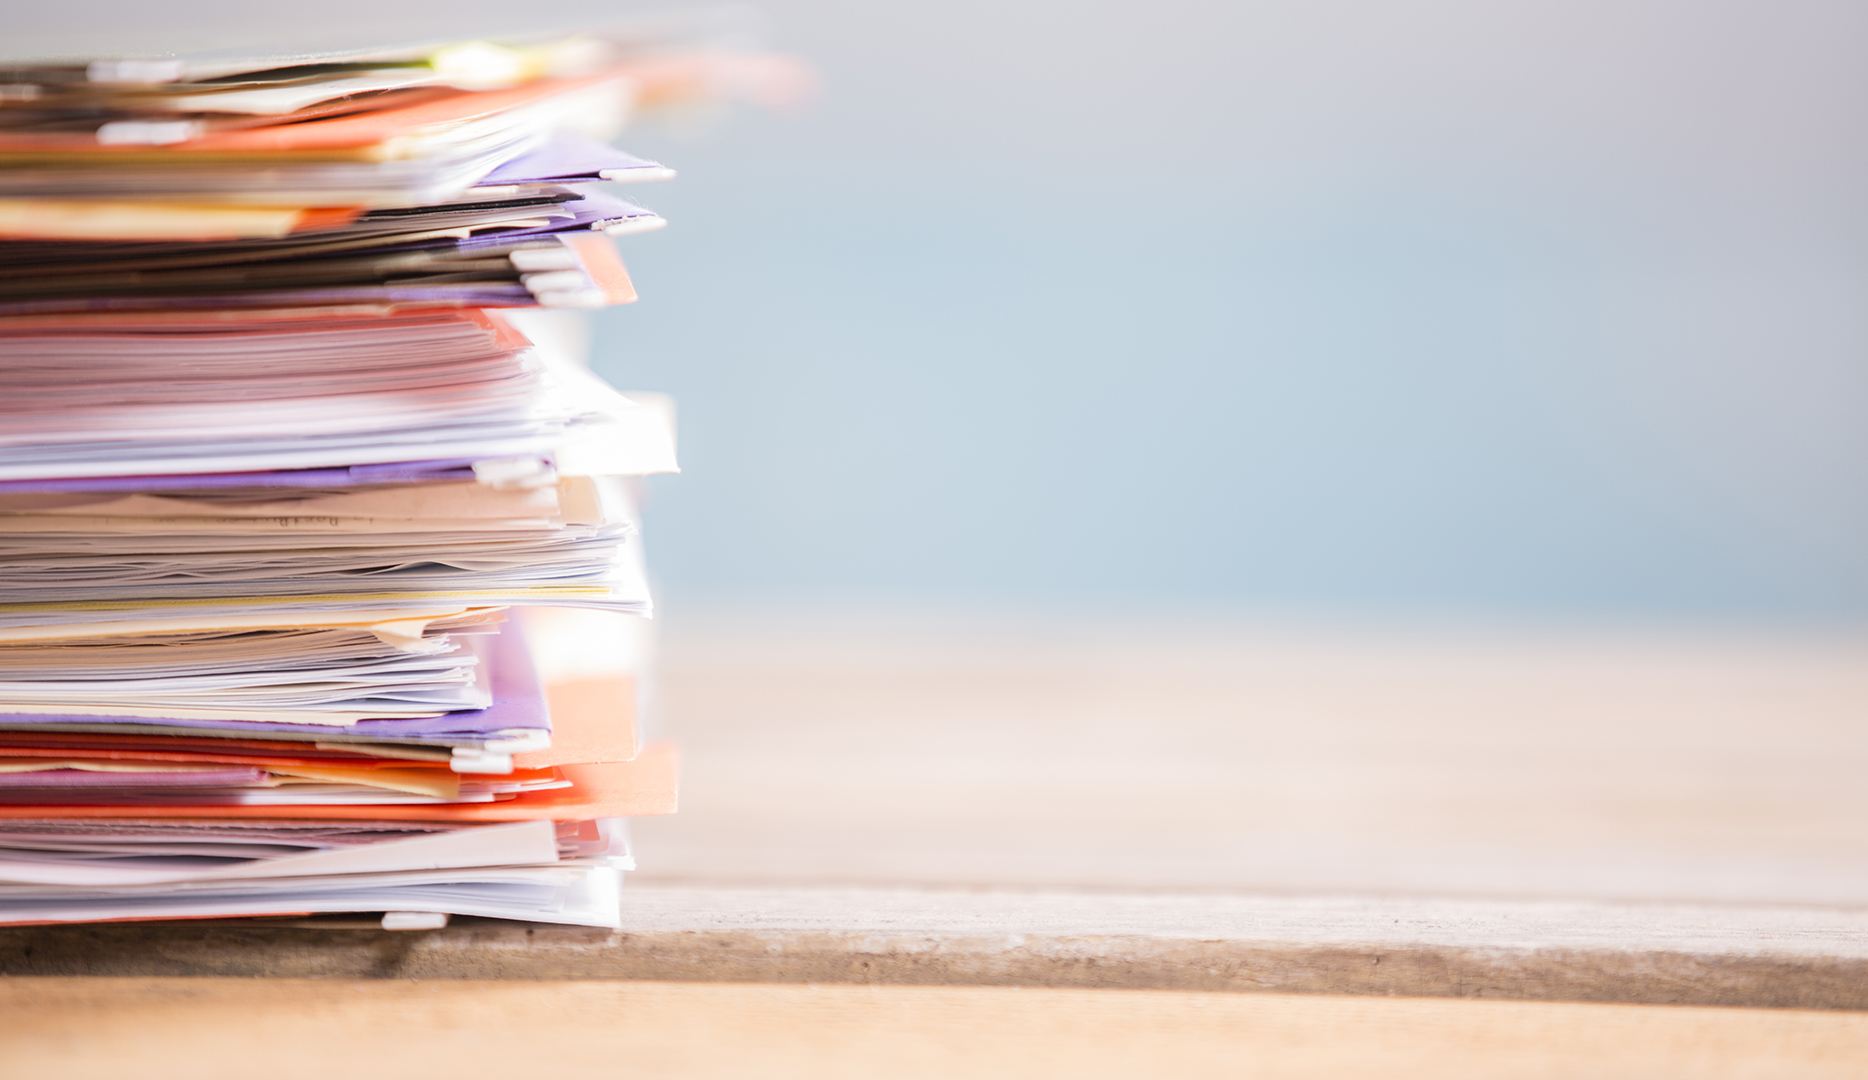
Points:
(205, 1029)
(1575, 817)
(1126, 755)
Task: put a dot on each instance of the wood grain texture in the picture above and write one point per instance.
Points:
(203, 1029)
(1656, 954)
(1113, 753)
(1600, 817)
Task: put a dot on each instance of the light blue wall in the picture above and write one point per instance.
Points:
(1366, 304)
(1552, 308)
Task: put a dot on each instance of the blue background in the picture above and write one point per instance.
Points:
(1352, 306)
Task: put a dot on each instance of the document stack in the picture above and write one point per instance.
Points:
(285, 449)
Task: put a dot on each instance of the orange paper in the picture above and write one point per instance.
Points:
(358, 136)
(644, 787)
(593, 722)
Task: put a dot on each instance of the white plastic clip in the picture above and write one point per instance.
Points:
(468, 759)
(414, 920)
(148, 132)
(134, 71)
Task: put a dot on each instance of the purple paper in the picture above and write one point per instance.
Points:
(397, 472)
(467, 294)
(565, 159)
(518, 702)
(593, 209)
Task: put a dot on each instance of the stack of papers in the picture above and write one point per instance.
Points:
(319, 566)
